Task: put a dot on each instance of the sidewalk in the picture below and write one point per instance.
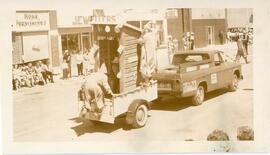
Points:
(228, 48)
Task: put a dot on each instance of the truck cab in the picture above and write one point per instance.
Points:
(193, 73)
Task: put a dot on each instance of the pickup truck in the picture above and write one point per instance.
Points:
(194, 73)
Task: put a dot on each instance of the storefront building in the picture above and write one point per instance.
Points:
(44, 35)
(79, 32)
(118, 46)
(178, 23)
(33, 37)
(239, 18)
(209, 26)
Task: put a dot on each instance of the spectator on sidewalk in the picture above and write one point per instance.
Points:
(245, 41)
(38, 75)
(170, 48)
(48, 72)
(175, 45)
(229, 36)
(86, 62)
(221, 37)
(79, 61)
(31, 73)
(192, 41)
(16, 79)
(67, 59)
(65, 70)
(185, 42)
(25, 77)
(92, 59)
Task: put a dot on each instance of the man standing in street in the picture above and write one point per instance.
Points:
(241, 50)
(67, 59)
(245, 41)
(79, 60)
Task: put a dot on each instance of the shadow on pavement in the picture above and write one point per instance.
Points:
(249, 89)
(98, 127)
(176, 104)
(166, 104)
(171, 104)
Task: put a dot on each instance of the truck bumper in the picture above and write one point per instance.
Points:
(179, 94)
(86, 114)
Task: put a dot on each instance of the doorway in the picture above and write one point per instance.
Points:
(110, 57)
(210, 35)
(86, 41)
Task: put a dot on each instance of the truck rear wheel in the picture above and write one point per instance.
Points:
(234, 83)
(198, 98)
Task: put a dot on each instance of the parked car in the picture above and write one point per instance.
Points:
(194, 73)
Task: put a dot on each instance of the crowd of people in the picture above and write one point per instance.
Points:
(86, 61)
(188, 40)
(232, 34)
(35, 73)
(31, 74)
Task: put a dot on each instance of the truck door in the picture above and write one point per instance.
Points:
(218, 75)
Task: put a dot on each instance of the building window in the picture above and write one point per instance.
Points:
(71, 42)
(76, 41)
(160, 35)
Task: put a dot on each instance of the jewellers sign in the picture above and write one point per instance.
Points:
(31, 21)
(87, 20)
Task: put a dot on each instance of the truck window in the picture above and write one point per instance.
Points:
(187, 58)
(217, 59)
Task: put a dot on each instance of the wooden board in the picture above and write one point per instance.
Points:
(129, 59)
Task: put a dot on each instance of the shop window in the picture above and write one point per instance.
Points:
(71, 42)
(160, 31)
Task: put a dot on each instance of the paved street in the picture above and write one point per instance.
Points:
(49, 113)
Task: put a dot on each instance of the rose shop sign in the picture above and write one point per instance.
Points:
(31, 21)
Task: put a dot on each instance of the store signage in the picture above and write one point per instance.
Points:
(31, 21)
(172, 13)
(87, 20)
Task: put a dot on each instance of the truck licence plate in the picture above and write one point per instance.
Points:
(164, 85)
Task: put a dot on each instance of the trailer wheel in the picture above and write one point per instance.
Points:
(198, 98)
(140, 116)
(137, 115)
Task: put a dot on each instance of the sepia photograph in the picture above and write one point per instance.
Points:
(104, 74)
(100, 75)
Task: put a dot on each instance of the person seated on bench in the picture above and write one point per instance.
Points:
(95, 89)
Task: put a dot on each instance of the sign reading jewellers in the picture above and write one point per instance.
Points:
(87, 20)
(32, 21)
